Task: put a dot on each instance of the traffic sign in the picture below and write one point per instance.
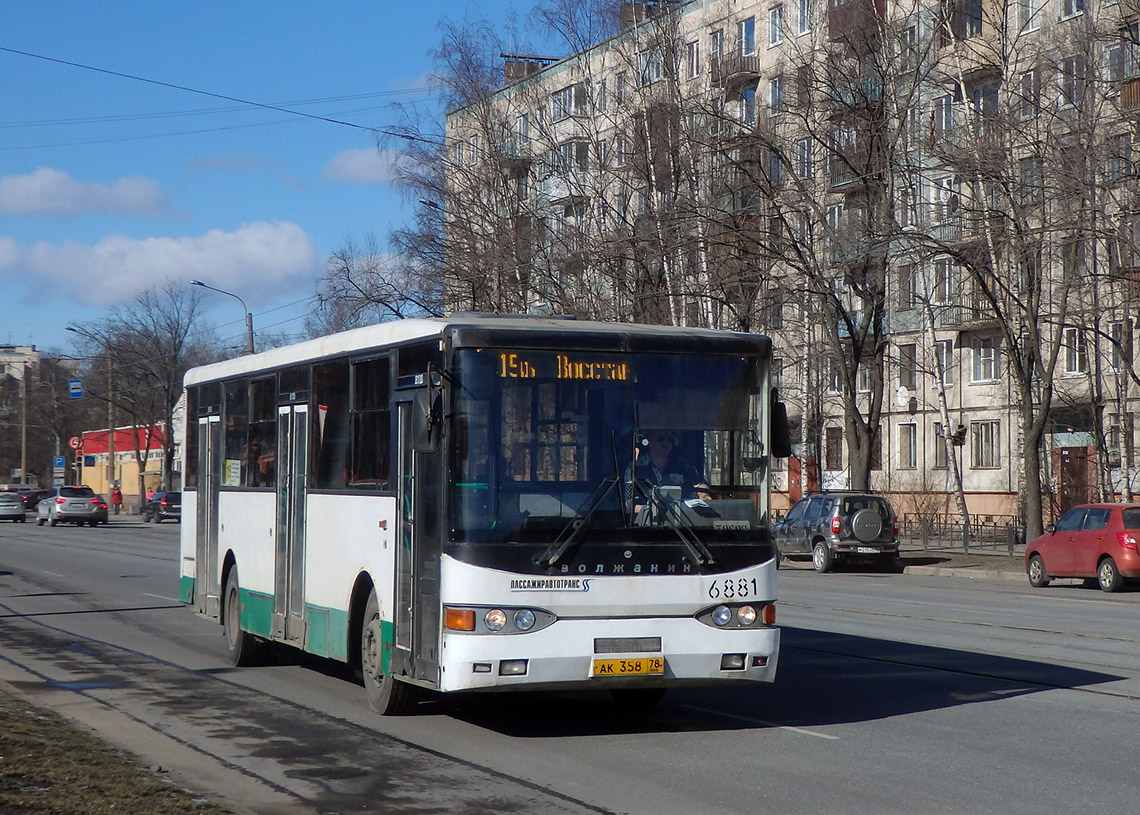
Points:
(74, 442)
(75, 388)
(59, 461)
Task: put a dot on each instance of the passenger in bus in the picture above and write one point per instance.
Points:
(657, 464)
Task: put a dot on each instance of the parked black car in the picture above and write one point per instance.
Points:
(836, 525)
(163, 506)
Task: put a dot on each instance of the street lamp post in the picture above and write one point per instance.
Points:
(248, 313)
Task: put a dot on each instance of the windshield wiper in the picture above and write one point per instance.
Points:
(572, 532)
(666, 508)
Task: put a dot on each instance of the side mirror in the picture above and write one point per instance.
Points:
(780, 435)
(1050, 528)
(427, 419)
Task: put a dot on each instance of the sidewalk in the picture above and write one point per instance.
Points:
(987, 563)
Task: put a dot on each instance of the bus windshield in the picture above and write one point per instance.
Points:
(545, 436)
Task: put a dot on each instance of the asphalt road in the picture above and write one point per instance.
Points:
(896, 693)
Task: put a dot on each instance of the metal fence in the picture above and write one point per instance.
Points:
(992, 534)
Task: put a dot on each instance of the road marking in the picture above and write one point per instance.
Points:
(161, 597)
(762, 722)
(55, 574)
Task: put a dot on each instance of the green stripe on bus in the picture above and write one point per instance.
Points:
(327, 632)
(256, 612)
(186, 589)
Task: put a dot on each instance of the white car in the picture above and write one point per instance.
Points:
(11, 507)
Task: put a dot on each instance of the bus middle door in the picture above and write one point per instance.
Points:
(417, 623)
(289, 572)
(207, 592)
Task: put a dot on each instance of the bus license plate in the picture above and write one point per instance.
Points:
(637, 666)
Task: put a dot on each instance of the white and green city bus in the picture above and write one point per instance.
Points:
(451, 504)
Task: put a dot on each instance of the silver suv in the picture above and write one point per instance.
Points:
(79, 505)
(836, 525)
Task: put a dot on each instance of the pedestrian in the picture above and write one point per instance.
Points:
(116, 498)
(149, 493)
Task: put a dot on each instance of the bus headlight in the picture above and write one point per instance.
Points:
(721, 615)
(524, 619)
(746, 615)
(495, 619)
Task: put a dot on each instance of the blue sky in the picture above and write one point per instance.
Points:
(109, 185)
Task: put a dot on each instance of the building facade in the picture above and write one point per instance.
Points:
(930, 206)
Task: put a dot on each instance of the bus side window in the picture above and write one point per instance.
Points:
(330, 426)
(237, 433)
(261, 455)
(370, 460)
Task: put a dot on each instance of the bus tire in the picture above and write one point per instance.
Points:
(244, 648)
(387, 695)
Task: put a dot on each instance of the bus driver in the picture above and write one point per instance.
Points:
(656, 462)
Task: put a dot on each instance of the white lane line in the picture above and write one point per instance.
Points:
(751, 720)
(161, 597)
(55, 574)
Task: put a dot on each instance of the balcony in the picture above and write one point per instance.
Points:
(515, 153)
(1130, 94)
(856, 22)
(734, 69)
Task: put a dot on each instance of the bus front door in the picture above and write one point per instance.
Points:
(207, 592)
(289, 572)
(417, 631)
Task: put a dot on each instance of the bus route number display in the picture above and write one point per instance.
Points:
(518, 366)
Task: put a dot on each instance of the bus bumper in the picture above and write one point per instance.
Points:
(562, 656)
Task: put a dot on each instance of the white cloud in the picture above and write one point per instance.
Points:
(362, 166)
(56, 194)
(258, 260)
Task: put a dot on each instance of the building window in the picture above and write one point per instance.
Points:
(833, 448)
(945, 201)
(652, 66)
(1076, 360)
(984, 450)
(1030, 14)
(908, 446)
(944, 359)
(834, 376)
(943, 113)
(1072, 8)
(747, 106)
(908, 366)
(1120, 339)
(1119, 158)
(775, 25)
(943, 288)
(863, 378)
(1029, 102)
(908, 287)
(716, 44)
(1072, 79)
(985, 359)
(568, 101)
(693, 59)
(803, 158)
(804, 8)
(776, 94)
(940, 462)
(748, 36)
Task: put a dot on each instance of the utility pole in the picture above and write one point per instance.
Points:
(24, 427)
(110, 423)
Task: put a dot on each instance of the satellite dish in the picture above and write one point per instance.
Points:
(902, 398)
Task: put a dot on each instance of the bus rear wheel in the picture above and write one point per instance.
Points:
(244, 648)
(387, 695)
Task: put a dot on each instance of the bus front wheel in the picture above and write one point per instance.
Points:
(244, 648)
(387, 695)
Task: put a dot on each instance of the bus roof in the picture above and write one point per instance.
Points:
(474, 329)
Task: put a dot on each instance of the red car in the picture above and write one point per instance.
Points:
(1090, 540)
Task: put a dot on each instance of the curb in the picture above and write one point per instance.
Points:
(971, 572)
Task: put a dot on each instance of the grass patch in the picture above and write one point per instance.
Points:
(48, 765)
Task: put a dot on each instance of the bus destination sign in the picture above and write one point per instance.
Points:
(518, 366)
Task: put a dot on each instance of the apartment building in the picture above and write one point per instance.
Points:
(930, 206)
